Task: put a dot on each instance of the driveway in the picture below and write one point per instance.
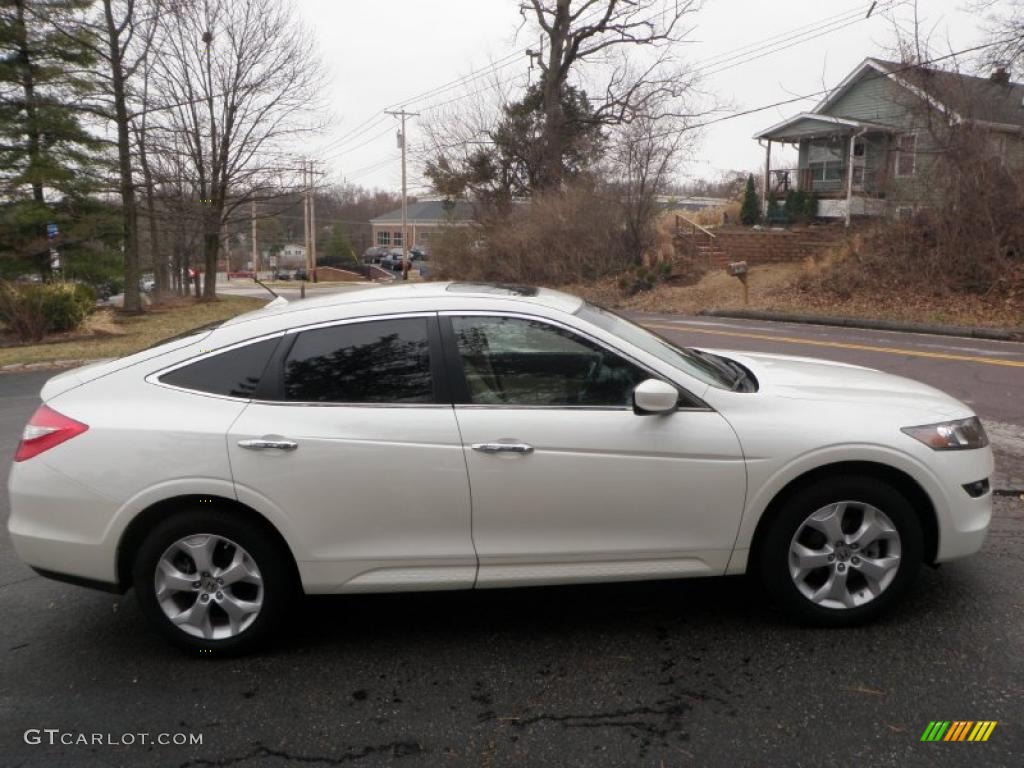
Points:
(699, 673)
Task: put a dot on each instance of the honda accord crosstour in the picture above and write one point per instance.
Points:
(471, 436)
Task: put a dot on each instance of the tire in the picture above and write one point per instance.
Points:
(856, 585)
(214, 619)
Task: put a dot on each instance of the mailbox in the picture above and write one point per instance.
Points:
(737, 268)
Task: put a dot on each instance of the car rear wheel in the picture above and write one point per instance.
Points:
(212, 582)
(842, 551)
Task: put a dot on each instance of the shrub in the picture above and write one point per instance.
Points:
(31, 311)
(800, 206)
(569, 236)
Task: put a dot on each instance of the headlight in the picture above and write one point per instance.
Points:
(951, 435)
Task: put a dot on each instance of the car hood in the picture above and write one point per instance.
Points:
(805, 378)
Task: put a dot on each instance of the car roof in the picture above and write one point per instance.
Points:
(417, 292)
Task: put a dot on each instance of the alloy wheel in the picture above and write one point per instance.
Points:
(209, 586)
(844, 555)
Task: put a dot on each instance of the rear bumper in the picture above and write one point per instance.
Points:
(59, 526)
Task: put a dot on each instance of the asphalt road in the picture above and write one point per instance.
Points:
(698, 673)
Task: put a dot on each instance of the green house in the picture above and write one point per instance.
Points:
(873, 145)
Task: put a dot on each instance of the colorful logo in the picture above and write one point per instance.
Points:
(958, 730)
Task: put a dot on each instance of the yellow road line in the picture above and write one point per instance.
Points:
(845, 345)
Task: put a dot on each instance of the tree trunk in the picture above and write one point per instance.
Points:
(33, 133)
(551, 175)
(160, 275)
(132, 299)
(211, 250)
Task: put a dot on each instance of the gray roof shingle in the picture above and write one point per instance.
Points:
(429, 211)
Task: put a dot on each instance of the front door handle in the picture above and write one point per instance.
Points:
(503, 447)
(269, 442)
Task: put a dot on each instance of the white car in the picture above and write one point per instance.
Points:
(527, 437)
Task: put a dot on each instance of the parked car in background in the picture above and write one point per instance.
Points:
(393, 260)
(374, 253)
(282, 274)
(147, 284)
(541, 440)
(300, 274)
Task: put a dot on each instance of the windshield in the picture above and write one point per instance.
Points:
(682, 358)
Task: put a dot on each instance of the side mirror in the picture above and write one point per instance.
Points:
(654, 396)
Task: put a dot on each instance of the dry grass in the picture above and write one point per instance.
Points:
(793, 288)
(109, 334)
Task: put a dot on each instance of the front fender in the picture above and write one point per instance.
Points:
(767, 481)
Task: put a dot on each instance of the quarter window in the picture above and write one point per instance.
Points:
(383, 361)
(513, 361)
(235, 373)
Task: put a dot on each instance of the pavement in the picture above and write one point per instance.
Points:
(692, 673)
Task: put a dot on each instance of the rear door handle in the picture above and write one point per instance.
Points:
(503, 447)
(269, 442)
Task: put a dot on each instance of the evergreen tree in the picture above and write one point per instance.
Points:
(339, 251)
(512, 164)
(47, 158)
(750, 210)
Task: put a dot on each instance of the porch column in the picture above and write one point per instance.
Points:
(767, 176)
(849, 178)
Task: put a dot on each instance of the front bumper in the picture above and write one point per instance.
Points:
(963, 521)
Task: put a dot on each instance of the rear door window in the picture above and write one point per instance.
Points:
(380, 361)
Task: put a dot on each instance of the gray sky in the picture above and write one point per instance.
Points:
(379, 53)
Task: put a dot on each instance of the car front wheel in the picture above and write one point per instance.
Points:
(842, 551)
(212, 582)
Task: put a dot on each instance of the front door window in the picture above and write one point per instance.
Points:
(520, 362)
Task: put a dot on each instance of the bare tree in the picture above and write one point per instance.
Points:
(1004, 24)
(237, 80)
(123, 31)
(642, 160)
(599, 32)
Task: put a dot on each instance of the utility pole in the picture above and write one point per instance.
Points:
(402, 114)
(255, 251)
(305, 212)
(312, 224)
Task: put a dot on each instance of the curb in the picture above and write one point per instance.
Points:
(992, 334)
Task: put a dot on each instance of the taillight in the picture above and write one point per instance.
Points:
(44, 430)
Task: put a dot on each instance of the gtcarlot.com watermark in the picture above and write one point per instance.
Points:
(57, 737)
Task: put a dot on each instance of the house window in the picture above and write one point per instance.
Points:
(906, 155)
(383, 238)
(396, 239)
(831, 170)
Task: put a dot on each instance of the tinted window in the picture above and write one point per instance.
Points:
(384, 361)
(511, 361)
(236, 372)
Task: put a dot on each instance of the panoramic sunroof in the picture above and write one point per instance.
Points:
(499, 289)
